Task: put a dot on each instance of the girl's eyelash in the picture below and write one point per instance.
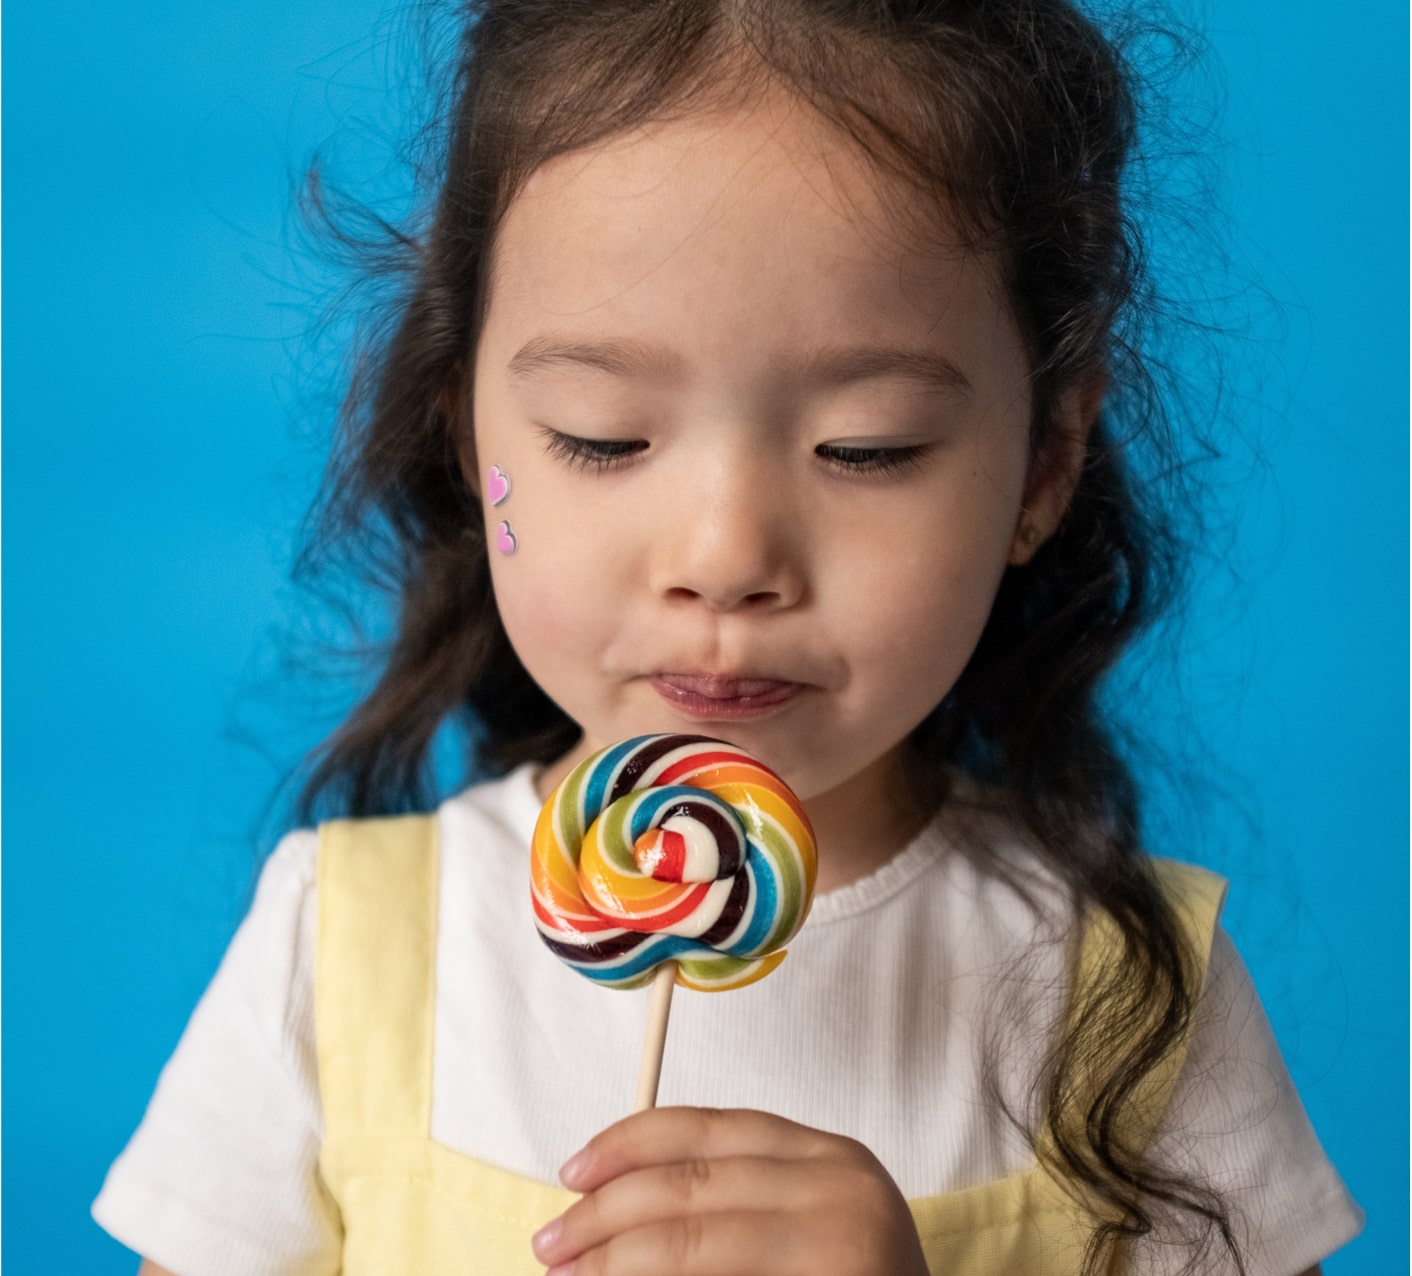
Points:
(607, 454)
(881, 461)
(597, 454)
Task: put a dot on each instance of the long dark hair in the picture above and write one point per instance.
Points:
(1018, 119)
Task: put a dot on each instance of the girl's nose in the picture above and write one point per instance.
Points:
(733, 543)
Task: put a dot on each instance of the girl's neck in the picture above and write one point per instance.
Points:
(863, 823)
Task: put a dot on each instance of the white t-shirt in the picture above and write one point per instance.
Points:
(873, 1013)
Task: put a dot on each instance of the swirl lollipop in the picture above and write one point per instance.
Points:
(674, 858)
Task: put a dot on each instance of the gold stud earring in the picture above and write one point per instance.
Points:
(1030, 536)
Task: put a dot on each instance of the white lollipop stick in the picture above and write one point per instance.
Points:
(660, 1007)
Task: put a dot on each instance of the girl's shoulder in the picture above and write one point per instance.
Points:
(1003, 860)
(487, 825)
(505, 807)
(501, 812)
(288, 873)
(282, 918)
(997, 868)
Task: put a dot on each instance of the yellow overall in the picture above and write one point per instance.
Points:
(411, 1207)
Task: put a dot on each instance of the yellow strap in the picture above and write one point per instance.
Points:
(374, 980)
(1197, 896)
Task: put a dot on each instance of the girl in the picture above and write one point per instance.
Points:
(761, 373)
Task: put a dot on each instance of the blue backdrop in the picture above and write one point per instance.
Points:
(157, 395)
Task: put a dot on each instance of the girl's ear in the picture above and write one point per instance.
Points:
(1054, 472)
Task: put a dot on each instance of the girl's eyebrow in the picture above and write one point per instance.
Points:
(619, 357)
(826, 366)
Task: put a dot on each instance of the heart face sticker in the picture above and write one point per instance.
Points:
(497, 485)
(505, 540)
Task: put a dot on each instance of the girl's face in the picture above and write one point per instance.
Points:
(766, 451)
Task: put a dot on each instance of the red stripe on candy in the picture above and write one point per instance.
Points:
(660, 921)
(701, 762)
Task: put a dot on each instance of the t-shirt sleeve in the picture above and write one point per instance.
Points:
(221, 1177)
(1236, 1123)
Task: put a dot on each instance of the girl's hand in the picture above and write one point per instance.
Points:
(701, 1192)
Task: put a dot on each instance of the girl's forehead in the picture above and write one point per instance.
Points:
(769, 211)
(798, 164)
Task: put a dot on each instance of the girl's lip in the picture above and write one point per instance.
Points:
(715, 696)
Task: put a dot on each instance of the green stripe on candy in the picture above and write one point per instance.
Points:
(614, 824)
(788, 867)
(567, 812)
(716, 969)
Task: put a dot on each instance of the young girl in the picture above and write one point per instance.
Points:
(761, 374)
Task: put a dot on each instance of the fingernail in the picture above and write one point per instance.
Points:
(564, 1269)
(546, 1236)
(575, 1168)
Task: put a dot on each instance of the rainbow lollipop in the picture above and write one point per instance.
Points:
(677, 858)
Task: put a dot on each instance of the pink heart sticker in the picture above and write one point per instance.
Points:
(497, 485)
(505, 540)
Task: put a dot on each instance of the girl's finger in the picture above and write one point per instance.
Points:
(660, 1193)
(732, 1244)
(666, 1135)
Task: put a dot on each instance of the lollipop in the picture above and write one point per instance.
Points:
(674, 858)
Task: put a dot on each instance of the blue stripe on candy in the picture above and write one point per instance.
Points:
(600, 779)
(640, 963)
(763, 901)
(650, 803)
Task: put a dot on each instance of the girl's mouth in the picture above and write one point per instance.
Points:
(708, 697)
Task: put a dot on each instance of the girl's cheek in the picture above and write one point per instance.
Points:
(543, 611)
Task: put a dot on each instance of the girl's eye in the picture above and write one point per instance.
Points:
(583, 454)
(872, 460)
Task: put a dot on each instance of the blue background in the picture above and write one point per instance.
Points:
(162, 418)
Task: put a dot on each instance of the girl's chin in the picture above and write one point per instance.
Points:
(743, 734)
